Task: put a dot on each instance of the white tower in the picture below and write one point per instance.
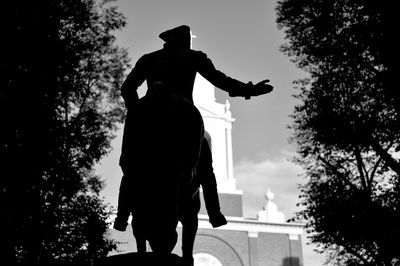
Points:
(218, 123)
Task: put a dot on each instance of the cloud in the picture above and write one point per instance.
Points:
(278, 174)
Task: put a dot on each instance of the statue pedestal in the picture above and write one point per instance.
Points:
(144, 259)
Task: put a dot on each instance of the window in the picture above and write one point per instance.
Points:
(205, 259)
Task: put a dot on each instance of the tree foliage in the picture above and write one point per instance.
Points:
(347, 126)
(60, 103)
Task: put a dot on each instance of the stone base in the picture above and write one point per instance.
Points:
(145, 259)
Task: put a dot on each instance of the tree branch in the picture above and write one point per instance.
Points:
(389, 160)
(371, 176)
(361, 168)
(334, 169)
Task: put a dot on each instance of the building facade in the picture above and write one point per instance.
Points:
(266, 240)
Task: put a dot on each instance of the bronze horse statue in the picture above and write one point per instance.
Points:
(163, 136)
(159, 160)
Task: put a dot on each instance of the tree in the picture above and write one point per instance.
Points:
(59, 105)
(346, 126)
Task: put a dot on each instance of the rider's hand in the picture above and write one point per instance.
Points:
(259, 89)
(262, 88)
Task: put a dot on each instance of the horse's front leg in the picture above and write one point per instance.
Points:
(141, 245)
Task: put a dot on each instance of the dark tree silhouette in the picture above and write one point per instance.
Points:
(59, 104)
(347, 126)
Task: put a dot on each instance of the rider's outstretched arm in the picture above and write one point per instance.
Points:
(232, 86)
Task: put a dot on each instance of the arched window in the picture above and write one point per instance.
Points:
(205, 259)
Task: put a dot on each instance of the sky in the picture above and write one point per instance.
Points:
(242, 40)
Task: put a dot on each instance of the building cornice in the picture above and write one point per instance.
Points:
(253, 226)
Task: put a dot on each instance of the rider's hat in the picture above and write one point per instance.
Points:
(176, 35)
